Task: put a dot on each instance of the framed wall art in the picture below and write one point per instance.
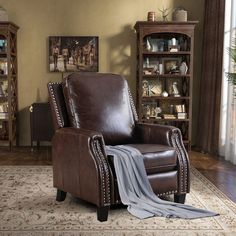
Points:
(73, 53)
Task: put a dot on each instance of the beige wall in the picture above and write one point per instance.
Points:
(111, 20)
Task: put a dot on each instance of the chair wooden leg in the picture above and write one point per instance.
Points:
(180, 198)
(102, 213)
(61, 195)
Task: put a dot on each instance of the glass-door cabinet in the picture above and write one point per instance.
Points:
(165, 74)
(8, 83)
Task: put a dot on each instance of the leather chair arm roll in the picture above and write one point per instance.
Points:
(84, 172)
(170, 136)
(155, 133)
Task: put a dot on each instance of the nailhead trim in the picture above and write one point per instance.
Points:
(105, 175)
(133, 106)
(167, 193)
(174, 139)
(50, 85)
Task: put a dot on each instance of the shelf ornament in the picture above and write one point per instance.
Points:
(3, 14)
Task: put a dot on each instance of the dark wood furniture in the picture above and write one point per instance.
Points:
(91, 110)
(40, 123)
(164, 88)
(8, 82)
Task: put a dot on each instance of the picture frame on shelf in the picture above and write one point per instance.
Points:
(73, 53)
(155, 87)
(171, 65)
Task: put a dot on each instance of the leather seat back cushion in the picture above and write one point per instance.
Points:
(100, 102)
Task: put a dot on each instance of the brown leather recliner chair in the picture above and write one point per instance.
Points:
(91, 110)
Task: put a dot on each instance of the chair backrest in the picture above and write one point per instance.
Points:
(99, 102)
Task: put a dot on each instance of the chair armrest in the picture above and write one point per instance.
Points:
(80, 165)
(170, 136)
(155, 133)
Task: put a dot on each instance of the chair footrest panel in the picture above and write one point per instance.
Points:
(164, 183)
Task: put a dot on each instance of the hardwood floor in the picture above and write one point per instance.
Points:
(221, 173)
(25, 156)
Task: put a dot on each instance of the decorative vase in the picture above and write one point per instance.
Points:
(3, 14)
(151, 16)
(148, 45)
(183, 68)
(180, 14)
(164, 94)
(160, 69)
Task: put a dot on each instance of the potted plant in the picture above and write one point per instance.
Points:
(232, 75)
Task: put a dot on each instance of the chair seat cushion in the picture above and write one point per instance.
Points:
(157, 158)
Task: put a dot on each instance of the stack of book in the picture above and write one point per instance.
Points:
(169, 116)
(180, 110)
(3, 115)
(182, 115)
(4, 110)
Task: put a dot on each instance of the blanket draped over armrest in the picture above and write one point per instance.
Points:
(136, 192)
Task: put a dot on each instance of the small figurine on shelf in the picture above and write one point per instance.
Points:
(145, 88)
(158, 111)
(165, 13)
(175, 90)
(146, 111)
(153, 111)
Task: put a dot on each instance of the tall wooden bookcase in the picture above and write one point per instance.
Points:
(8, 83)
(165, 74)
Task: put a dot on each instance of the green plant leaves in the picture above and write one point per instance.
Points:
(231, 76)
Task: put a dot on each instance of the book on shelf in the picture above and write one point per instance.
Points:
(182, 115)
(180, 108)
(3, 115)
(169, 116)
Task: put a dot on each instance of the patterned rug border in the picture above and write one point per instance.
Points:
(214, 188)
(147, 232)
(193, 170)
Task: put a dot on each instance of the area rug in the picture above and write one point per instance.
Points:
(28, 207)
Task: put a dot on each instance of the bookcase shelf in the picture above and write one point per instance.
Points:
(165, 74)
(8, 83)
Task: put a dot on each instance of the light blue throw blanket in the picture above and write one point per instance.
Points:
(136, 192)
